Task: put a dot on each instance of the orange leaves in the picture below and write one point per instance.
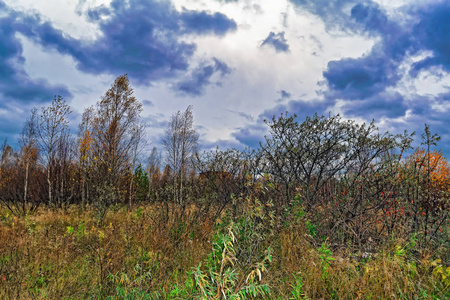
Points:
(29, 154)
(85, 142)
(434, 168)
(85, 145)
(433, 162)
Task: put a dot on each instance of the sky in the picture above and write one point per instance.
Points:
(238, 62)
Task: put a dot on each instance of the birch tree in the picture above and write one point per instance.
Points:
(53, 129)
(117, 132)
(28, 141)
(181, 143)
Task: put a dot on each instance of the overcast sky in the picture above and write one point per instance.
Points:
(237, 62)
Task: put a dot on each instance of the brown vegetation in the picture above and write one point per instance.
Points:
(324, 209)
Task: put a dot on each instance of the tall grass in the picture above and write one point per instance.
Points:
(144, 253)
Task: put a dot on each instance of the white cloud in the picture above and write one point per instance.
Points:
(258, 73)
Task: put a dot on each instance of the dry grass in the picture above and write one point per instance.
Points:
(72, 255)
(67, 254)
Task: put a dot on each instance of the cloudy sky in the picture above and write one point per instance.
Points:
(237, 62)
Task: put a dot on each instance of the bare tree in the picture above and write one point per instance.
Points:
(7, 155)
(181, 144)
(137, 135)
(52, 130)
(65, 171)
(153, 173)
(154, 159)
(21, 196)
(29, 150)
(224, 172)
(317, 150)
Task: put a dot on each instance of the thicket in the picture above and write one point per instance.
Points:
(324, 208)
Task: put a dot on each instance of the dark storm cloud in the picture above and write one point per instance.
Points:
(155, 121)
(15, 84)
(139, 37)
(12, 117)
(352, 16)
(432, 107)
(432, 33)
(372, 18)
(96, 14)
(195, 84)
(390, 105)
(369, 75)
(277, 41)
(361, 78)
(206, 23)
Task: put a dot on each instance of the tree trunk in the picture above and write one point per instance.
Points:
(25, 191)
(130, 196)
(49, 186)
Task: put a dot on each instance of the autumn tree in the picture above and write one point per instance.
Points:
(426, 184)
(116, 133)
(181, 143)
(85, 153)
(432, 169)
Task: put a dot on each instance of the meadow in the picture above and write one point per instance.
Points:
(326, 208)
(156, 251)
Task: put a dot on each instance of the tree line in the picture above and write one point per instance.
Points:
(357, 186)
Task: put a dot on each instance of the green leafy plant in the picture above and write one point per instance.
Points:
(311, 228)
(81, 230)
(127, 288)
(297, 288)
(223, 279)
(177, 292)
(69, 230)
(325, 258)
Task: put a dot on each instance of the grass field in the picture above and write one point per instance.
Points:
(144, 253)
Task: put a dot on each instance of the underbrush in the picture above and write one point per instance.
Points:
(157, 252)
